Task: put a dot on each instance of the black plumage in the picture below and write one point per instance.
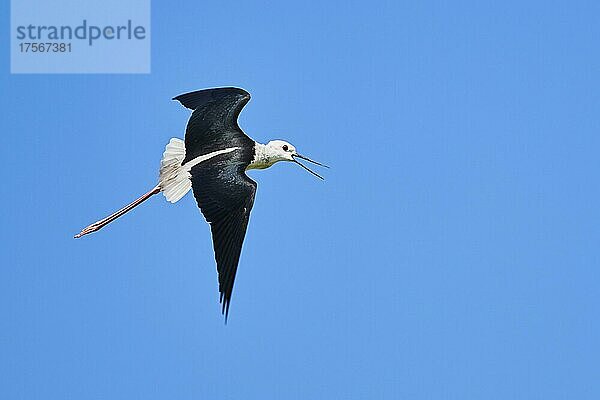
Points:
(213, 124)
(225, 194)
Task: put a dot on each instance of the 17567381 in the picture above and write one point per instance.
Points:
(45, 47)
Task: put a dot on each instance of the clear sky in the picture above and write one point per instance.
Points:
(452, 252)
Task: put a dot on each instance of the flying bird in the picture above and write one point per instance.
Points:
(212, 161)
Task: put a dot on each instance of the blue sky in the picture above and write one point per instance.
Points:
(451, 253)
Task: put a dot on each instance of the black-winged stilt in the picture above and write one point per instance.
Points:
(212, 162)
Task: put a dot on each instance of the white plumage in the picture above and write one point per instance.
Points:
(173, 179)
(173, 176)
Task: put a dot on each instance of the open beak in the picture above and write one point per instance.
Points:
(305, 167)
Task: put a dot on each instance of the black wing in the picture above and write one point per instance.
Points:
(221, 187)
(225, 195)
(213, 124)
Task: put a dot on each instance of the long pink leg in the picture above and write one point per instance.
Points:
(105, 221)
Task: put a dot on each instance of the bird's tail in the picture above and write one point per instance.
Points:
(174, 179)
(105, 221)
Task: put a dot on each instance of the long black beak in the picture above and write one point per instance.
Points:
(311, 161)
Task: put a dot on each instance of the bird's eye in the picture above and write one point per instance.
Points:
(285, 147)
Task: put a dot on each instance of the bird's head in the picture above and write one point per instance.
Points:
(280, 150)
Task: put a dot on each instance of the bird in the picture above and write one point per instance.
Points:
(212, 162)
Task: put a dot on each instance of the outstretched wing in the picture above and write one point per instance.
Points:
(225, 195)
(221, 187)
(213, 124)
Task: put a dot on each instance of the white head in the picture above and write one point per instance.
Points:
(280, 150)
